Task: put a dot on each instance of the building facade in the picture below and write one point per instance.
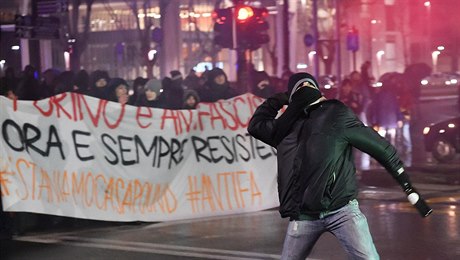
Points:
(392, 35)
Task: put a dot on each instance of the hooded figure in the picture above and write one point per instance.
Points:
(217, 87)
(118, 90)
(152, 92)
(48, 82)
(173, 90)
(317, 185)
(191, 99)
(64, 82)
(8, 83)
(261, 85)
(138, 89)
(81, 82)
(98, 87)
(192, 81)
(29, 86)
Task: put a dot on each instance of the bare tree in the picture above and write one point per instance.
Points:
(205, 40)
(327, 46)
(75, 41)
(145, 32)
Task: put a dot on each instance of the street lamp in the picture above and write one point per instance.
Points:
(434, 56)
(427, 4)
(2, 65)
(151, 54)
(379, 55)
(311, 56)
(67, 60)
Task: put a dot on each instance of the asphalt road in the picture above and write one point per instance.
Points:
(398, 231)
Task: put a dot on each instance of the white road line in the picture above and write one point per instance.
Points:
(189, 221)
(208, 253)
(73, 239)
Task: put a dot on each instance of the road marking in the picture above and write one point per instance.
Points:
(72, 239)
(154, 248)
(190, 221)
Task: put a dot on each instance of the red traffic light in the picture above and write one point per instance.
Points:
(244, 13)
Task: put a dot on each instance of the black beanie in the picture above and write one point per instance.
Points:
(297, 79)
(175, 74)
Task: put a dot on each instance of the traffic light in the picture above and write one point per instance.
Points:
(251, 27)
(223, 27)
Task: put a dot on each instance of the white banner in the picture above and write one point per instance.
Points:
(78, 156)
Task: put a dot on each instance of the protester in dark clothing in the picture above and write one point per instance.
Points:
(49, 81)
(217, 87)
(355, 100)
(317, 183)
(81, 82)
(192, 81)
(65, 82)
(191, 99)
(262, 86)
(352, 99)
(9, 82)
(98, 88)
(29, 86)
(360, 87)
(384, 113)
(366, 74)
(177, 78)
(118, 90)
(152, 95)
(6, 223)
(168, 98)
(173, 90)
(138, 90)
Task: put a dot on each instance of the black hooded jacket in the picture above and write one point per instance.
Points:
(316, 171)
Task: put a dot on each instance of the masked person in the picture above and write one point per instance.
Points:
(316, 173)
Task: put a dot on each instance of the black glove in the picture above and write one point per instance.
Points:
(279, 100)
(413, 195)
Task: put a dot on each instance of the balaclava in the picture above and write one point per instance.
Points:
(302, 87)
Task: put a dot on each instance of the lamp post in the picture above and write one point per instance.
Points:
(67, 60)
(311, 56)
(379, 55)
(427, 4)
(434, 57)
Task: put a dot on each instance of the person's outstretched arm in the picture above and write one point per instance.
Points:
(367, 140)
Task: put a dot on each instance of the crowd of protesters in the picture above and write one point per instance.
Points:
(388, 106)
(172, 92)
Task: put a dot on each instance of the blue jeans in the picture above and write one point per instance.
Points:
(348, 224)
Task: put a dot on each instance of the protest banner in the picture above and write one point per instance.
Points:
(78, 156)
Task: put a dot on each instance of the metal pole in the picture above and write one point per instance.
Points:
(316, 36)
(338, 37)
(25, 53)
(286, 35)
(234, 31)
(354, 60)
